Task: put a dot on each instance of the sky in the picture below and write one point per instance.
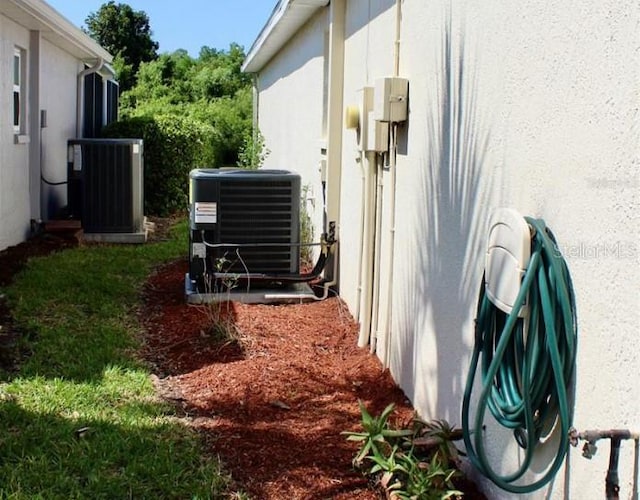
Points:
(187, 24)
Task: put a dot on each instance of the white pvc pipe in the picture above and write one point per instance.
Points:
(363, 188)
(392, 236)
(393, 149)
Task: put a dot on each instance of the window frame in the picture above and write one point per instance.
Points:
(19, 105)
(17, 82)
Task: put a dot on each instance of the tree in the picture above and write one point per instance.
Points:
(211, 89)
(127, 35)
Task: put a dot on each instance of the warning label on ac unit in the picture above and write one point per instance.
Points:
(206, 213)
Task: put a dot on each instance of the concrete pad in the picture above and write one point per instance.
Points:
(293, 293)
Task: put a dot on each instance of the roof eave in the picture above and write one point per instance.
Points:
(287, 18)
(38, 15)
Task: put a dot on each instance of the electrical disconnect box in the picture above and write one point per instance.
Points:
(365, 105)
(377, 135)
(390, 99)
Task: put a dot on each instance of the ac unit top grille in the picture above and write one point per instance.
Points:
(260, 208)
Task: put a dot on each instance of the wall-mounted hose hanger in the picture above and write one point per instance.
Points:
(525, 347)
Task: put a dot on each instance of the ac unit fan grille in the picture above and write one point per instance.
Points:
(258, 212)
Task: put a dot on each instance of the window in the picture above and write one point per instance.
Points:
(19, 105)
(17, 82)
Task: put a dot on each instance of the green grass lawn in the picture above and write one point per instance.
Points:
(80, 418)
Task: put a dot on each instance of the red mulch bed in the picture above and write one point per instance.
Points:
(274, 409)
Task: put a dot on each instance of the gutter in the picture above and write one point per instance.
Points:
(54, 26)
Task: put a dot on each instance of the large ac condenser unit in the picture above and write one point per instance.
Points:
(105, 184)
(244, 223)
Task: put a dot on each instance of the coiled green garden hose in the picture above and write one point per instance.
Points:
(527, 364)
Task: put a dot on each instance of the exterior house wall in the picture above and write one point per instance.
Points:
(58, 98)
(291, 93)
(530, 106)
(53, 53)
(15, 210)
(368, 49)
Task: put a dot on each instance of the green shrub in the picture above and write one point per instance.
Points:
(173, 145)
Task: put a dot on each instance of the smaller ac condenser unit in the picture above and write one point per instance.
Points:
(105, 184)
(243, 222)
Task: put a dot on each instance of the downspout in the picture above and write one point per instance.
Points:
(337, 10)
(393, 146)
(36, 202)
(256, 106)
(80, 94)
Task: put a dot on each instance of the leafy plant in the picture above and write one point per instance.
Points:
(418, 463)
(425, 480)
(306, 229)
(436, 438)
(375, 434)
(253, 151)
(218, 312)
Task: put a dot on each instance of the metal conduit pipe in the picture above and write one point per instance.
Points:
(616, 436)
(80, 94)
(366, 263)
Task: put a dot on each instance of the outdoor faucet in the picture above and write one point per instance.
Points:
(612, 481)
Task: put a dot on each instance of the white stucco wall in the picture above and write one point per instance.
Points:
(58, 83)
(291, 109)
(532, 106)
(368, 55)
(15, 209)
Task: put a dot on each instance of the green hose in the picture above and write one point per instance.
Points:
(527, 364)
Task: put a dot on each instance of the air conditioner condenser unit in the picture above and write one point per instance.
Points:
(244, 224)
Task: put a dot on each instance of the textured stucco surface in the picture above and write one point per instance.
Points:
(57, 96)
(534, 106)
(51, 48)
(290, 111)
(14, 158)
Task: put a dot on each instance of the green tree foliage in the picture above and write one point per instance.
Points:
(173, 145)
(191, 112)
(126, 34)
(210, 89)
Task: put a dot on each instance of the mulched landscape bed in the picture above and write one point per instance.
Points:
(273, 405)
